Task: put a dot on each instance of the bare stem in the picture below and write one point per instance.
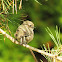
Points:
(20, 6)
(13, 6)
(16, 6)
(3, 4)
(33, 55)
(32, 48)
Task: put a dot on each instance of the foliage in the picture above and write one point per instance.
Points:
(57, 49)
(47, 14)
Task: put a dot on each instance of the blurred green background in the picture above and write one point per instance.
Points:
(49, 14)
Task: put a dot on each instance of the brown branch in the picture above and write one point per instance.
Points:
(32, 48)
(33, 55)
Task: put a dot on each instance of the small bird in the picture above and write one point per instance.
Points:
(24, 33)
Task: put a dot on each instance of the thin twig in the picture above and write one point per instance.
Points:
(33, 55)
(16, 6)
(3, 4)
(13, 6)
(20, 5)
(27, 46)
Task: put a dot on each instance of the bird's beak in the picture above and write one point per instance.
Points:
(33, 27)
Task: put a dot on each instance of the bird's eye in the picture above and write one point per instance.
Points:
(30, 25)
(17, 30)
(16, 35)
